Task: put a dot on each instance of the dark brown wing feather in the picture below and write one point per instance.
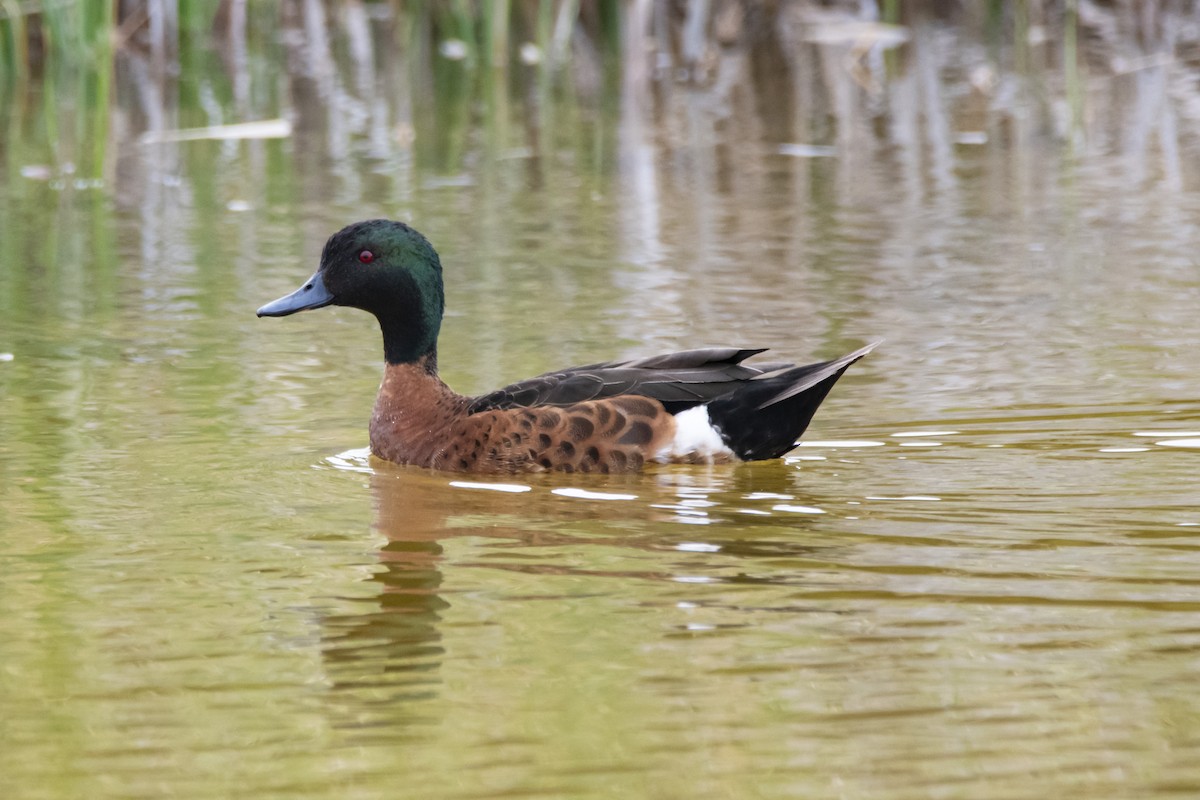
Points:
(678, 380)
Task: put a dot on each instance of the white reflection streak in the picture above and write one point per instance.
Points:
(640, 207)
(1179, 443)
(797, 509)
(586, 494)
(237, 58)
(698, 547)
(679, 510)
(842, 443)
(1167, 434)
(358, 35)
(511, 488)
(919, 497)
(356, 460)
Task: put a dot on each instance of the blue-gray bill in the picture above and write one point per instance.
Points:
(312, 294)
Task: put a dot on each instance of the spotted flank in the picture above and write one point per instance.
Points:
(609, 435)
(697, 406)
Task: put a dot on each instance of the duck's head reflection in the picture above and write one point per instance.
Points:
(393, 646)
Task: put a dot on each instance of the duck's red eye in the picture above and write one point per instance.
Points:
(366, 256)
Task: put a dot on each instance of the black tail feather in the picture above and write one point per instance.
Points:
(764, 417)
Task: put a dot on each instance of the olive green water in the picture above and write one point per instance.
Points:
(979, 578)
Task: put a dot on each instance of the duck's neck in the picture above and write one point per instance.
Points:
(410, 333)
(413, 412)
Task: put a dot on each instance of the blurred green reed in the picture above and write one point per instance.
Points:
(36, 34)
(58, 57)
(68, 47)
(74, 32)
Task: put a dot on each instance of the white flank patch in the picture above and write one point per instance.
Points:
(695, 437)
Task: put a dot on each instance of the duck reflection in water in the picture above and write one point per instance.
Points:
(384, 662)
(388, 657)
(392, 652)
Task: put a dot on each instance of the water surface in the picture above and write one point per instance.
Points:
(976, 578)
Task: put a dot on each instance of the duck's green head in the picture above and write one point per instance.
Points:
(386, 268)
